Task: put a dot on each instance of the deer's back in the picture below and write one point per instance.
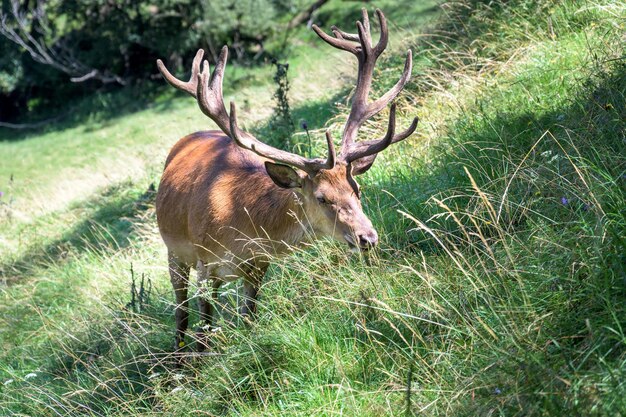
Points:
(213, 197)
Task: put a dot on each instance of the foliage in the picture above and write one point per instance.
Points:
(11, 71)
(241, 24)
(280, 123)
(119, 41)
(499, 287)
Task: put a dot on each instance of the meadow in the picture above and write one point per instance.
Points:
(499, 285)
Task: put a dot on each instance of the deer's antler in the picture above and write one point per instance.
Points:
(360, 45)
(207, 89)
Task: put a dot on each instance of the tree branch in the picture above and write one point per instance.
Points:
(35, 125)
(18, 31)
(305, 16)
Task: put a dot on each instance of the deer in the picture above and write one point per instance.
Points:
(228, 203)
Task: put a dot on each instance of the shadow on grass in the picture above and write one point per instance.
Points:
(556, 215)
(588, 127)
(113, 216)
(99, 107)
(105, 107)
(110, 364)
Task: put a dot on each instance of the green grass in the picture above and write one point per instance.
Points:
(499, 287)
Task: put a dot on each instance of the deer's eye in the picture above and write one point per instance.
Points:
(322, 200)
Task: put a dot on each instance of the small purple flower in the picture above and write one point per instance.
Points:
(564, 201)
(304, 125)
(1, 194)
(497, 391)
(586, 207)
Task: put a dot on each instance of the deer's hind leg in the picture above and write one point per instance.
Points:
(179, 276)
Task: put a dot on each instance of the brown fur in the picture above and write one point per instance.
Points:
(214, 197)
(218, 210)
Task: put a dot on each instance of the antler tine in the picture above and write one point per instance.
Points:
(366, 40)
(363, 149)
(342, 40)
(377, 105)
(354, 37)
(189, 86)
(246, 141)
(218, 74)
(332, 156)
(366, 19)
(337, 42)
(344, 35)
(370, 147)
(384, 34)
(209, 93)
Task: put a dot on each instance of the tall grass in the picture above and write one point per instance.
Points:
(499, 287)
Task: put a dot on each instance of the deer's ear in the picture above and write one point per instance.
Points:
(284, 176)
(361, 165)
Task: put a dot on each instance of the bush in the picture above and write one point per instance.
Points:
(117, 42)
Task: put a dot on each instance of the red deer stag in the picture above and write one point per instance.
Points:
(227, 202)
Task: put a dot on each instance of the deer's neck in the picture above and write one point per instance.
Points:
(288, 219)
(274, 213)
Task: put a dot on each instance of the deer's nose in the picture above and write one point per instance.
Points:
(368, 240)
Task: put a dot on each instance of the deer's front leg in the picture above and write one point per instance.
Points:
(252, 282)
(206, 303)
(248, 307)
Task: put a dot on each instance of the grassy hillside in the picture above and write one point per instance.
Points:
(499, 287)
